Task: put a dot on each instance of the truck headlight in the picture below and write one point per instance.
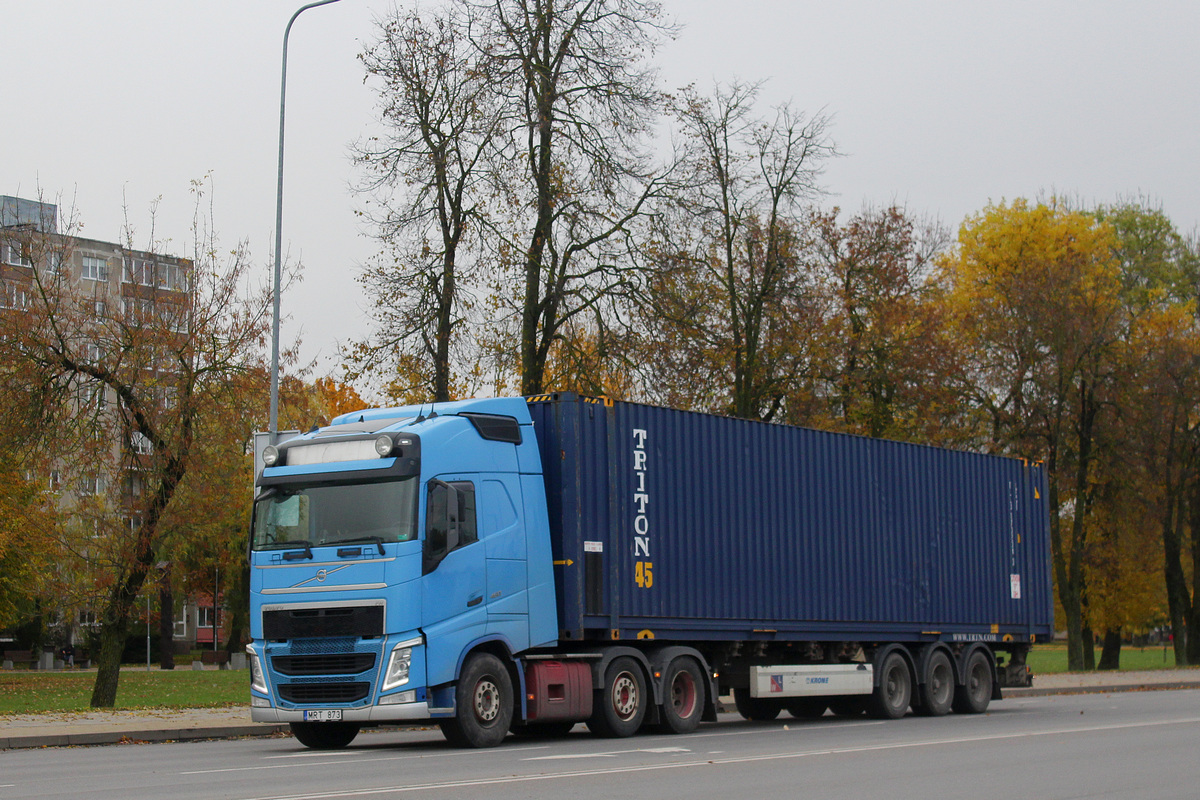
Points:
(258, 681)
(398, 665)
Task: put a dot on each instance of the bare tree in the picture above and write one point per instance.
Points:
(428, 176)
(580, 100)
(117, 390)
(731, 270)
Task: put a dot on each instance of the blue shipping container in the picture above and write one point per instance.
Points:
(679, 525)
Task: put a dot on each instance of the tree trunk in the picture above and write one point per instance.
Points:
(1110, 656)
(166, 622)
(113, 631)
(1088, 639)
(237, 609)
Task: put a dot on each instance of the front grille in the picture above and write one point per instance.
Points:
(324, 664)
(324, 692)
(347, 621)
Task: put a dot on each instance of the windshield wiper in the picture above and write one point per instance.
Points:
(292, 543)
(376, 540)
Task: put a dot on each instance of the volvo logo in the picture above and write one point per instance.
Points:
(322, 575)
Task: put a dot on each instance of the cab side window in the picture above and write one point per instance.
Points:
(449, 520)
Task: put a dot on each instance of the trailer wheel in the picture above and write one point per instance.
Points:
(484, 704)
(806, 707)
(325, 735)
(620, 705)
(683, 703)
(757, 709)
(973, 696)
(892, 696)
(936, 694)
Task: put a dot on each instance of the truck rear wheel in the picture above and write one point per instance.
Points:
(893, 695)
(936, 694)
(973, 696)
(483, 702)
(756, 709)
(325, 735)
(620, 705)
(683, 701)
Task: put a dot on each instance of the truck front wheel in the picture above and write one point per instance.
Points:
(620, 706)
(683, 703)
(483, 702)
(325, 735)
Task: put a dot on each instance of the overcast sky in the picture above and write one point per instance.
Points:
(938, 106)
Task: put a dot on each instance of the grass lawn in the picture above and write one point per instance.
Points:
(29, 692)
(1047, 658)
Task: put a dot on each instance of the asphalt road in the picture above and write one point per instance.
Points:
(1130, 745)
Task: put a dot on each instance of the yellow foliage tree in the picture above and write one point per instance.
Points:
(1034, 291)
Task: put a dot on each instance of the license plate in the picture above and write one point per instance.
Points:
(323, 715)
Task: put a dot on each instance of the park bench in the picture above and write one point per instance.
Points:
(214, 657)
(21, 657)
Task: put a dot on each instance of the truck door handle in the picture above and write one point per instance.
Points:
(474, 601)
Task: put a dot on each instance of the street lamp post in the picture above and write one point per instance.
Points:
(274, 420)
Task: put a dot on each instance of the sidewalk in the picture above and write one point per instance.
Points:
(112, 727)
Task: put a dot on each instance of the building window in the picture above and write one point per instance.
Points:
(140, 444)
(18, 255)
(55, 480)
(14, 295)
(90, 486)
(206, 617)
(87, 618)
(94, 269)
(139, 271)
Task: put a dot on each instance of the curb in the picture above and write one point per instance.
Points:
(147, 735)
(1102, 689)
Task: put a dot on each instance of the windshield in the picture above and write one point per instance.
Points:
(320, 515)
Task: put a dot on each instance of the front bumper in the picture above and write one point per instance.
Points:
(401, 712)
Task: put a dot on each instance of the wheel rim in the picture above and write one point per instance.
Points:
(625, 696)
(980, 680)
(940, 682)
(896, 687)
(683, 694)
(487, 701)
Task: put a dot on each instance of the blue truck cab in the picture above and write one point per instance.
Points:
(385, 549)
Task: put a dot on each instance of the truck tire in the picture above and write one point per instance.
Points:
(935, 695)
(892, 696)
(756, 709)
(325, 735)
(807, 707)
(483, 702)
(620, 705)
(683, 696)
(973, 696)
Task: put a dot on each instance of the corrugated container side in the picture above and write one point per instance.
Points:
(686, 525)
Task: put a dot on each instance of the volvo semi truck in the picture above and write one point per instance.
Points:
(521, 565)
